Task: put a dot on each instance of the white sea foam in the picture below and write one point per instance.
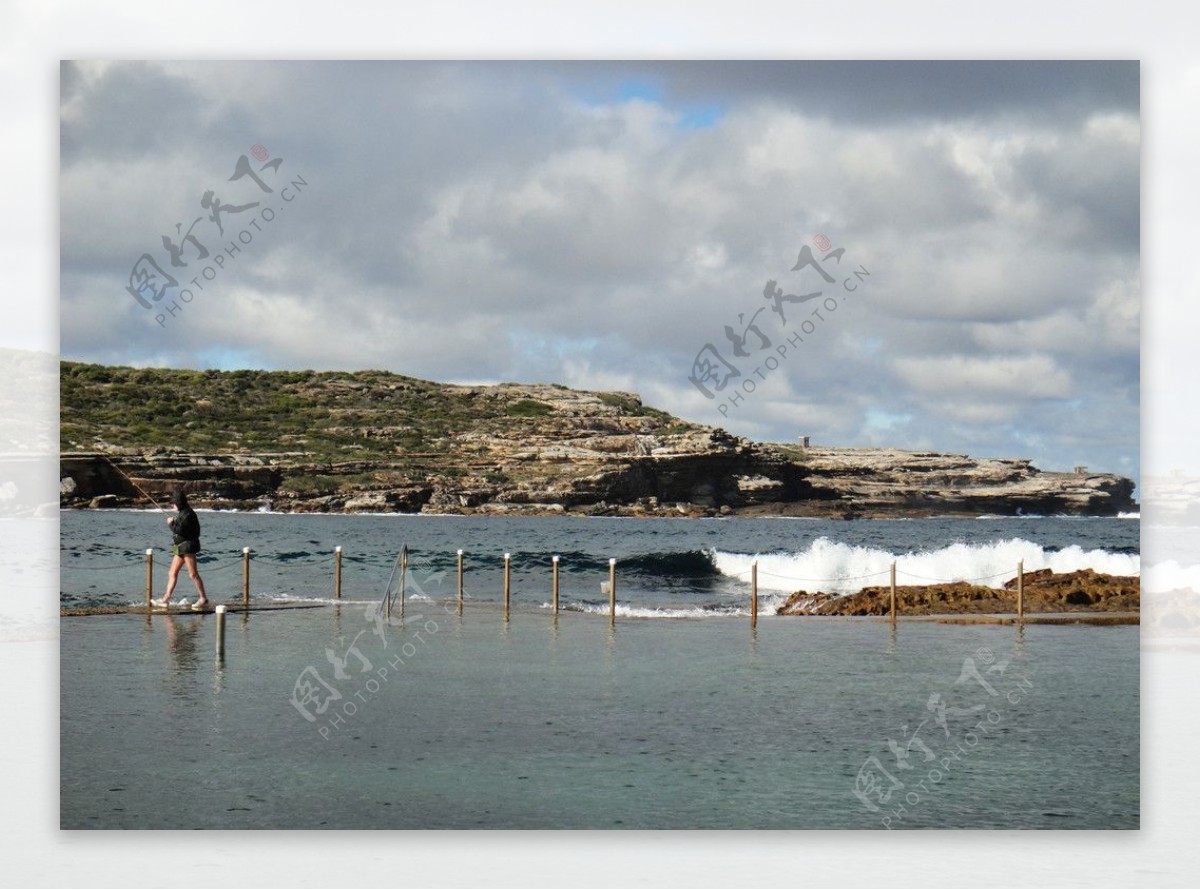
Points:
(845, 568)
(326, 600)
(626, 611)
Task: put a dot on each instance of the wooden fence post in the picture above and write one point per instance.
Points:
(221, 632)
(555, 584)
(612, 591)
(246, 577)
(460, 582)
(403, 578)
(507, 567)
(149, 576)
(1021, 590)
(754, 594)
(893, 608)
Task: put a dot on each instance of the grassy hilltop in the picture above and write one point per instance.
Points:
(374, 440)
(327, 415)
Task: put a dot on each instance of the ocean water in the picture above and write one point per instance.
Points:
(665, 567)
(676, 716)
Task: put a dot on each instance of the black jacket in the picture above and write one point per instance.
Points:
(187, 526)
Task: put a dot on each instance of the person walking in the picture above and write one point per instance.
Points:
(185, 525)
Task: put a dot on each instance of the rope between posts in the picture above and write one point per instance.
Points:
(219, 567)
(139, 563)
(900, 571)
(672, 578)
(816, 580)
(281, 566)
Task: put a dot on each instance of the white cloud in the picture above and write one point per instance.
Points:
(483, 222)
(1033, 376)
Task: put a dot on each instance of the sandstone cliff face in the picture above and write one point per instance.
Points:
(377, 442)
(928, 482)
(698, 474)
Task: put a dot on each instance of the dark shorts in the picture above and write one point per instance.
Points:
(186, 548)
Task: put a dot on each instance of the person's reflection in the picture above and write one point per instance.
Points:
(181, 643)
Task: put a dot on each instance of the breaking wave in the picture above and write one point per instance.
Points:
(845, 568)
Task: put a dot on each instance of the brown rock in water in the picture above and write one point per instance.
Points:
(1045, 591)
(1083, 588)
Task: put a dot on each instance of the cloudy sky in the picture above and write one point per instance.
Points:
(603, 224)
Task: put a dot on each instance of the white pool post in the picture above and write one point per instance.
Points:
(612, 591)
(460, 581)
(554, 560)
(149, 577)
(221, 632)
(1020, 590)
(893, 583)
(507, 568)
(403, 578)
(245, 577)
(754, 594)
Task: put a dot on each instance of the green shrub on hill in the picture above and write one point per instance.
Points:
(327, 415)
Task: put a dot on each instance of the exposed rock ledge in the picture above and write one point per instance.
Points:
(706, 473)
(373, 441)
(1045, 591)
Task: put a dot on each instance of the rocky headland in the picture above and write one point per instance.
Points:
(373, 441)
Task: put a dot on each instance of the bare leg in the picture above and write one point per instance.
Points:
(172, 577)
(194, 574)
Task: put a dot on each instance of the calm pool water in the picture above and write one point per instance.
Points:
(472, 722)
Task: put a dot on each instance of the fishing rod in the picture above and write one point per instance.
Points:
(112, 464)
